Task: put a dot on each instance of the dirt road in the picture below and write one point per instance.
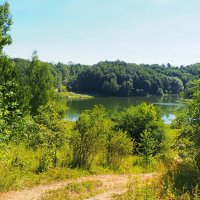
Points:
(113, 184)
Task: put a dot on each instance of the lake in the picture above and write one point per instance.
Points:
(169, 106)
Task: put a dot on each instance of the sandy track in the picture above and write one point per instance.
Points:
(113, 184)
(121, 188)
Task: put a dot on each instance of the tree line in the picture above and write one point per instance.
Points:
(118, 78)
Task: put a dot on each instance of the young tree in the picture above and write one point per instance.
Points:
(9, 105)
(90, 137)
(50, 120)
(147, 145)
(41, 83)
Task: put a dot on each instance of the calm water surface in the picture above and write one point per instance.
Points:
(169, 106)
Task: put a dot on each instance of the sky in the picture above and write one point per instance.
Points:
(89, 31)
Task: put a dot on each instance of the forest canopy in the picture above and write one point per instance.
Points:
(119, 78)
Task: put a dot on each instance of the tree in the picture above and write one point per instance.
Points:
(126, 79)
(95, 138)
(50, 120)
(189, 122)
(22, 67)
(9, 100)
(90, 137)
(47, 131)
(5, 23)
(176, 85)
(160, 92)
(136, 120)
(9, 104)
(193, 119)
(147, 145)
(41, 83)
(186, 175)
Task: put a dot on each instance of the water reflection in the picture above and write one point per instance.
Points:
(168, 105)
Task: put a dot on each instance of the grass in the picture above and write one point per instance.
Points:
(74, 96)
(16, 179)
(147, 189)
(154, 188)
(19, 164)
(19, 168)
(75, 191)
(171, 133)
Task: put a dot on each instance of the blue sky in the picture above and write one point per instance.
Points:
(89, 31)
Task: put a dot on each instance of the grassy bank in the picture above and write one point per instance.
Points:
(72, 95)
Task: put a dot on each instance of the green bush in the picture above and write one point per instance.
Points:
(138, 119)
(184, 178)
(89, 138)
(118, 147)
(94, 139)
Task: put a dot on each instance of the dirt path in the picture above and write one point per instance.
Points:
(113, 184)
(121, 188)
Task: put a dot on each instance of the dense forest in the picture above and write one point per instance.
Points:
(119, 78)
(38, 146)
(124, 79)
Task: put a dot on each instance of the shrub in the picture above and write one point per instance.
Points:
(119, 146)
(184, 178)
(147, 145)
(89, 138)
(94, 138)
(136, 120)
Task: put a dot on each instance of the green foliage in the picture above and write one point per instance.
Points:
(47, 130)
(190, 124)
(40, 83)
(52, 125)
(9, 104)
(183, 179)
(119, 146)
(136, 119)
(159, 92)
(189, 90)
(139, 120)
(95, 137)
(44, 162)
(89, 138)
(186, 175)
(23, 79)
(5, 23)
(146, 146)
(137, 189)
(125, 79)
(24, 167)
(119, 78)
(177, 85)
